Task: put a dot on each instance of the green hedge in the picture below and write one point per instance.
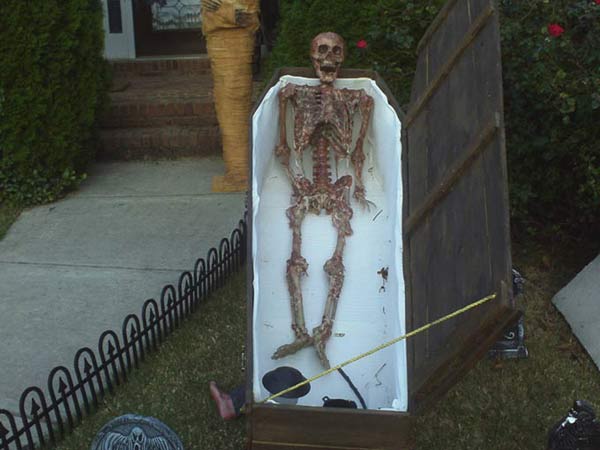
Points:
(53, 86)
(391, 29)
(551, 86)
(552, 107)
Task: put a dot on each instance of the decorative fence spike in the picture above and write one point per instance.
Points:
(3, 431)
(140, 334)
(35, 408)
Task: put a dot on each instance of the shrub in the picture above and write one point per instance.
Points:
(390, 29)
(551, 83)
(53, 85)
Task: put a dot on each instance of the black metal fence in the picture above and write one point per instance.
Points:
(45, 418)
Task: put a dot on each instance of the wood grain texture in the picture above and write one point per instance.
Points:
(471, 35)
(453, 175)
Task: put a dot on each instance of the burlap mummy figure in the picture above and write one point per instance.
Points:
(229, 27)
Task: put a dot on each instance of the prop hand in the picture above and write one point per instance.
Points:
(242, 18)
(211, 5)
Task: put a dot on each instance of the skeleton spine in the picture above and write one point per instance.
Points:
(321, 169)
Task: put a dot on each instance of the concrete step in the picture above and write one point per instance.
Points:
(155, 66)
(168, 142)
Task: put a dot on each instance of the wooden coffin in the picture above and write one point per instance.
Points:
(440, 227)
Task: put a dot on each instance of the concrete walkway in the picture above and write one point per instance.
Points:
(579, 302)
(74, 268)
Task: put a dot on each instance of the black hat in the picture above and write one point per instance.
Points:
(283, 378)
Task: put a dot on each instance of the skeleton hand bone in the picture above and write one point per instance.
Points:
(242, 18)
(211, 5)
(360, 196)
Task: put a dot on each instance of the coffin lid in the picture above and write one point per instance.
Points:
(456, 216)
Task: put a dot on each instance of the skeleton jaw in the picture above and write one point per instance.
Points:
(327, 72)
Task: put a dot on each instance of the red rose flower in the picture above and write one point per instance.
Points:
(555, 29)
(362, 44)
(597, 2)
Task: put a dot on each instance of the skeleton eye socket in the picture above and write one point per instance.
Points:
(323, 48)
(337, 50)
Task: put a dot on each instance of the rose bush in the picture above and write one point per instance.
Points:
(552, 107)
(551, 62)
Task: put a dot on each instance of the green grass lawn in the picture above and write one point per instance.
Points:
(8, 214)
(499, 405)
(511, 404)
(172, 385)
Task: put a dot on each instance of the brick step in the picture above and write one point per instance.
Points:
(172, 99)
(159, 142)
(148, 114)
(156, 66)
(126, 121)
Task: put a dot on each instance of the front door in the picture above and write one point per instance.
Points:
(118, 25)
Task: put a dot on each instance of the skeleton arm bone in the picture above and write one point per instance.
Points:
(282, 150)
(365, 105)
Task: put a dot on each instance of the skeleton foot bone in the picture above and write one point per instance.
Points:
(321, 335)
(290, 349)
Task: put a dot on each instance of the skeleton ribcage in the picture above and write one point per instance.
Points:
(328, 117)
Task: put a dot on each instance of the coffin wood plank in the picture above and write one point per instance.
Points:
(453, 175)
(279, 427)
(475, 29)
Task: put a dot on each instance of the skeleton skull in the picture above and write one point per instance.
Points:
(327, 54)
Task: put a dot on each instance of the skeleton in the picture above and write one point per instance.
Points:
(324, 117)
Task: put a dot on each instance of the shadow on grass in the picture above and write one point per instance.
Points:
(172, 384)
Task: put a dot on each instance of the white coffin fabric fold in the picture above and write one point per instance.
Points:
(370, 311)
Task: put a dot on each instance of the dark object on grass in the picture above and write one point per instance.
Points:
(285, 377)
(518, 282)
(131, 432)
(512, 344)
(338, 403)
(578, 430)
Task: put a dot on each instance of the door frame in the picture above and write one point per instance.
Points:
(120, 43)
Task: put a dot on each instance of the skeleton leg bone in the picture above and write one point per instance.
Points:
(334, 267)
(296, 268)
